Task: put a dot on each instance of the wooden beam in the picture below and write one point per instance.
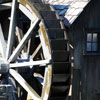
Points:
(11, 29)
(2, 44)
(23, 41)
(31, 63)
(36, 51)
(27, 12)
(24, 84)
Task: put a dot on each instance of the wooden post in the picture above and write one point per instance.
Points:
(76, 84)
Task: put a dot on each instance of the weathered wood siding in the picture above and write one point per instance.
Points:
(89, 65)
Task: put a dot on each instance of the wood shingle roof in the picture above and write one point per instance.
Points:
(69, 10)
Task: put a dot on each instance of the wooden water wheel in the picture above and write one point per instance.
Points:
(34, 51)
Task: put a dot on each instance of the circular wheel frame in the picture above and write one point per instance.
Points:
(33, 52)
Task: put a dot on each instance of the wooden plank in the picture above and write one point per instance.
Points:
(56, 33)
(60, 55)
(11, 29)
(24, 84)
(58, 90)
(60, 77)
(2, 44)
(61, 67)
(55, 44)
(23, 41)
(52, 23)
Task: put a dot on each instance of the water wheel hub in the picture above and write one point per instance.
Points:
(4, 67)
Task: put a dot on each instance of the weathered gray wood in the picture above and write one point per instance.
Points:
(76, 84)
(89, 64)
(23, 41)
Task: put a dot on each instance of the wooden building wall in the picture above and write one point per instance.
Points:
(86, 78)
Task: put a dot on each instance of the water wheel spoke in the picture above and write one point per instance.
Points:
(31, 63)
(11, 29)
(2, 43)
(24, 84)
(23, 41)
